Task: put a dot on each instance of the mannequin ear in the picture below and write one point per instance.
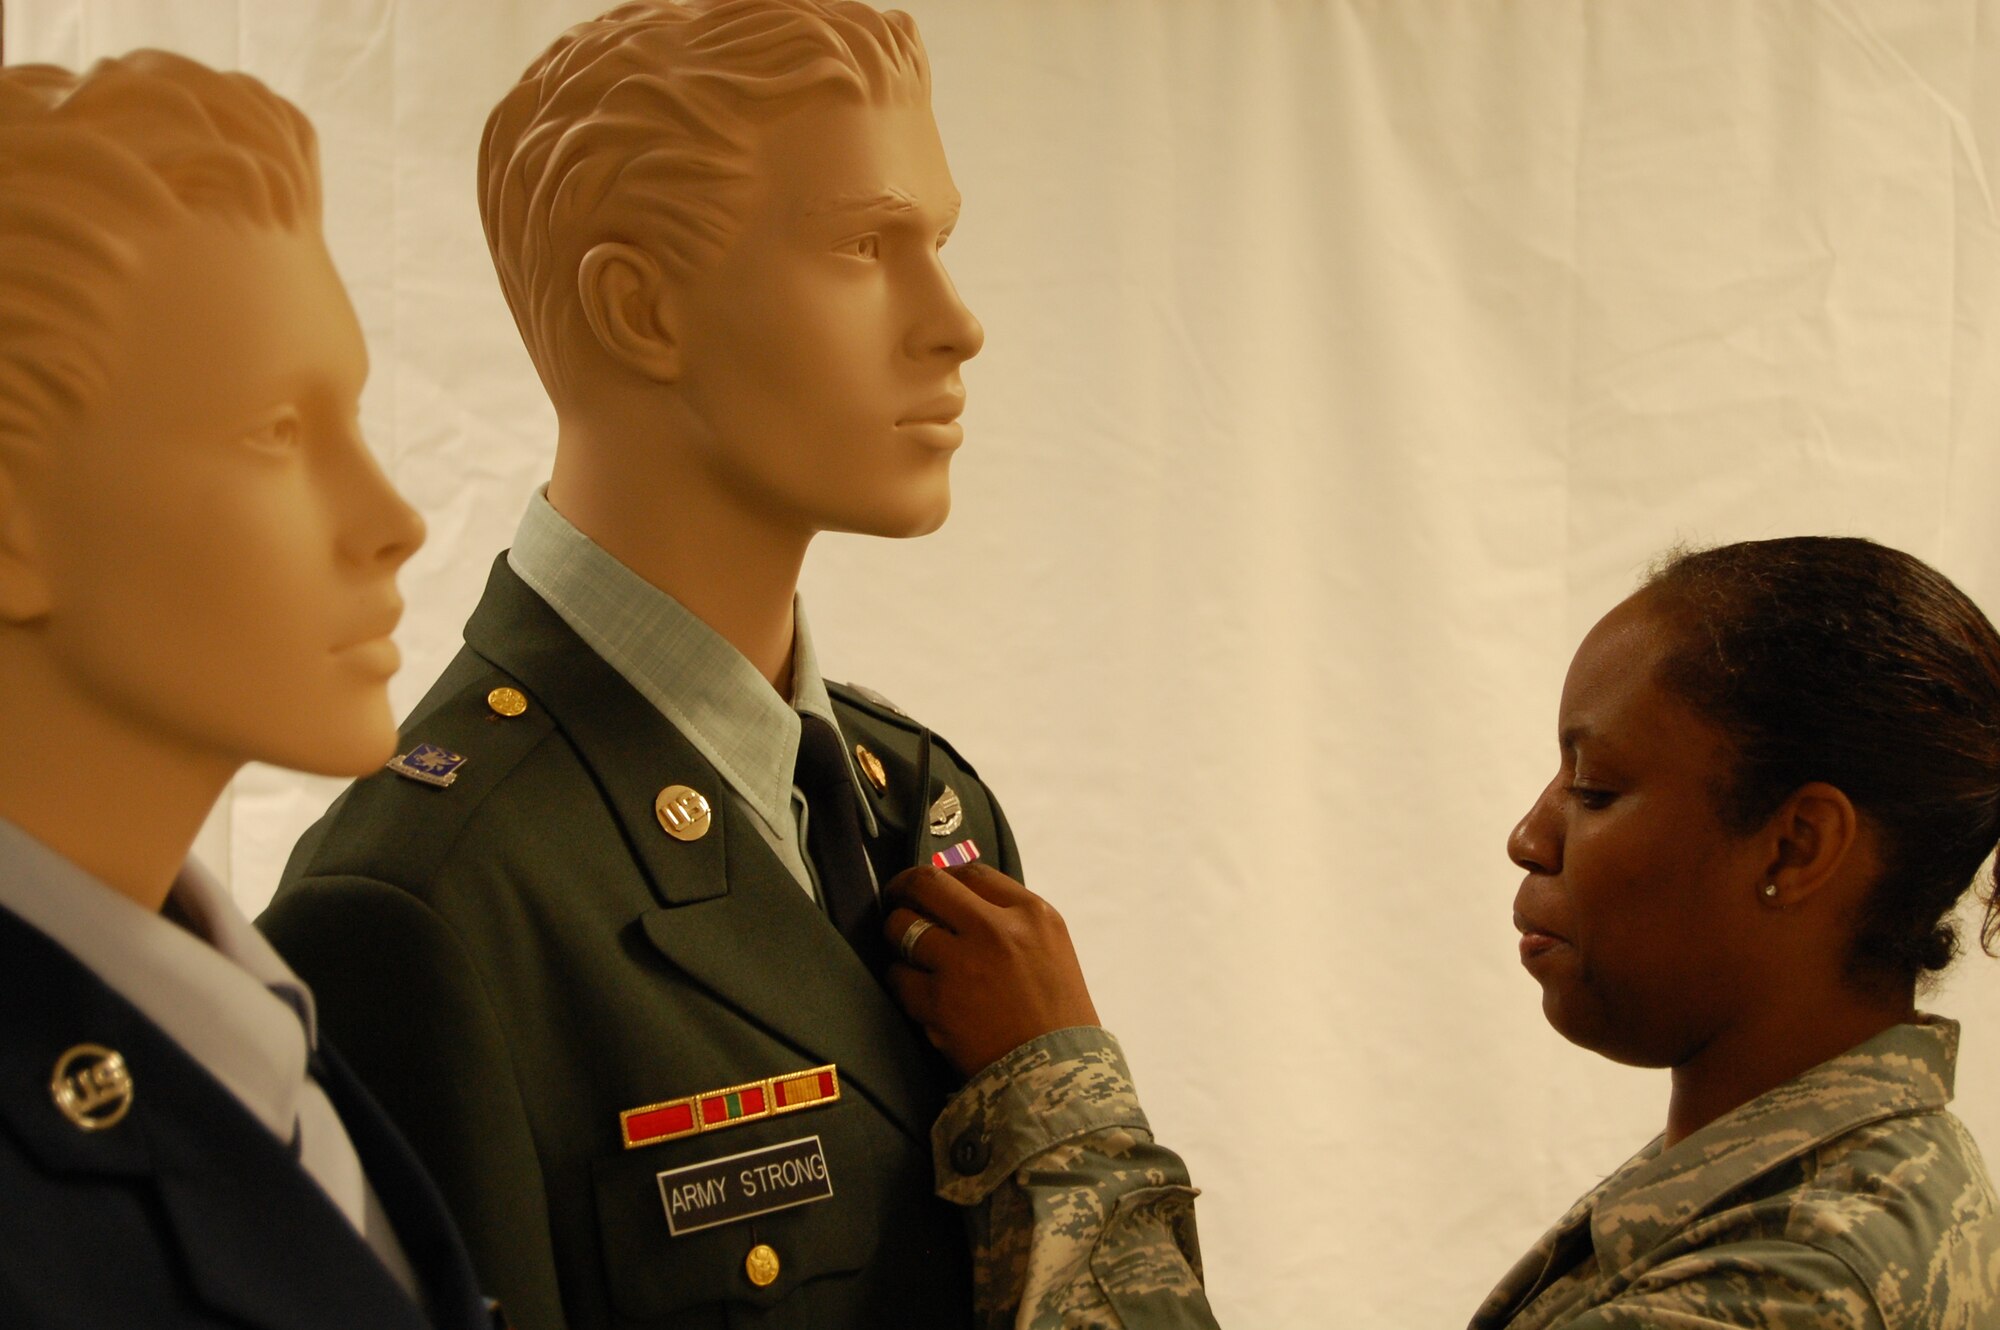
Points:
(24, 591)
(623, 294)
(1818, 834)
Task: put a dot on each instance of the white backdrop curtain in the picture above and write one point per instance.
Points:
(1345, 360)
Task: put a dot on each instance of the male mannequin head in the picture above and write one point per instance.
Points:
(717, 224)
(197, 550)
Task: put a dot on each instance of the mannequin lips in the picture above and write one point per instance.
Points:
(376, 656)
(938, 411)
(372, 648)
(936, 422)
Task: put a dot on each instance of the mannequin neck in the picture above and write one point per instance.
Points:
(732, 567)
(117, 798)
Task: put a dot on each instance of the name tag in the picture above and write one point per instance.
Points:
(740, 1186)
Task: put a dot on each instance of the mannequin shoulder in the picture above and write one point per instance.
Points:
(466, 741)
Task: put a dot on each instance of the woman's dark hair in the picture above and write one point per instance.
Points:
(1839, 660)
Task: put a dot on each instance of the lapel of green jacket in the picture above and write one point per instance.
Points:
(731, 917)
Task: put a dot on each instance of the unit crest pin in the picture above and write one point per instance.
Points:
(871, 768)
(429, 764)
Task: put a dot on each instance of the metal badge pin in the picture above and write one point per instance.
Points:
(92, 1087)
(871, 767)
(947, 814)
(428, 763)
(507, 701)
(683, 812)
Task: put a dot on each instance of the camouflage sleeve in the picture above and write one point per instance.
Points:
(1759, 1285)
(1078, 1217)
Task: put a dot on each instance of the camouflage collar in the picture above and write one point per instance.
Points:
(1905, 1069)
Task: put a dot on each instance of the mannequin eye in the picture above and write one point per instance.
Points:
(281, 434)
(863, 247)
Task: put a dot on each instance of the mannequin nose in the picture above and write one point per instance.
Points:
(379, 527)
(964, 334)
(947, 328)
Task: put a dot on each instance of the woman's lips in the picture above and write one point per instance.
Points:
(1535, 945)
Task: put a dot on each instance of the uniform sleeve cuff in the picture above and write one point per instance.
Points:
(1052, 1089)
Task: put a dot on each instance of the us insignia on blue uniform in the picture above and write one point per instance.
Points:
(92, 1086)
(953, 855)
(428, 763)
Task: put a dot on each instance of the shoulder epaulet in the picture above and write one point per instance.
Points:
(466, 736)
(956, 756)
(872, 702)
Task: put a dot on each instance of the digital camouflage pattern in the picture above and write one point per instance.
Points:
(1078, 1218)
(1845, 1199)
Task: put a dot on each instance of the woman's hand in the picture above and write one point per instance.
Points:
(995, 968)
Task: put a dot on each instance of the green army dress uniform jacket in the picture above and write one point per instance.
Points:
(1848, 1198)
(512, 961)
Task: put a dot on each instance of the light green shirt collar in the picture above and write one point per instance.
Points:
(707, 688)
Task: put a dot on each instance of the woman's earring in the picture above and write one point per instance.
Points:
(1769, 891)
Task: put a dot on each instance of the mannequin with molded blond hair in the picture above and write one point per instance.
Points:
(647, 900)
(197, 564)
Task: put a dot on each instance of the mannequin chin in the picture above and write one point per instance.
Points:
(918, 506)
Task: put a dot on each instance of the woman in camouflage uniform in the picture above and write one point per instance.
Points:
(1780, 770)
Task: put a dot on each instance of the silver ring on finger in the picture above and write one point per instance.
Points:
(906, 945)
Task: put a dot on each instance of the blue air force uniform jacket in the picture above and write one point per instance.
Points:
(514, 960)
(187, 1212)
